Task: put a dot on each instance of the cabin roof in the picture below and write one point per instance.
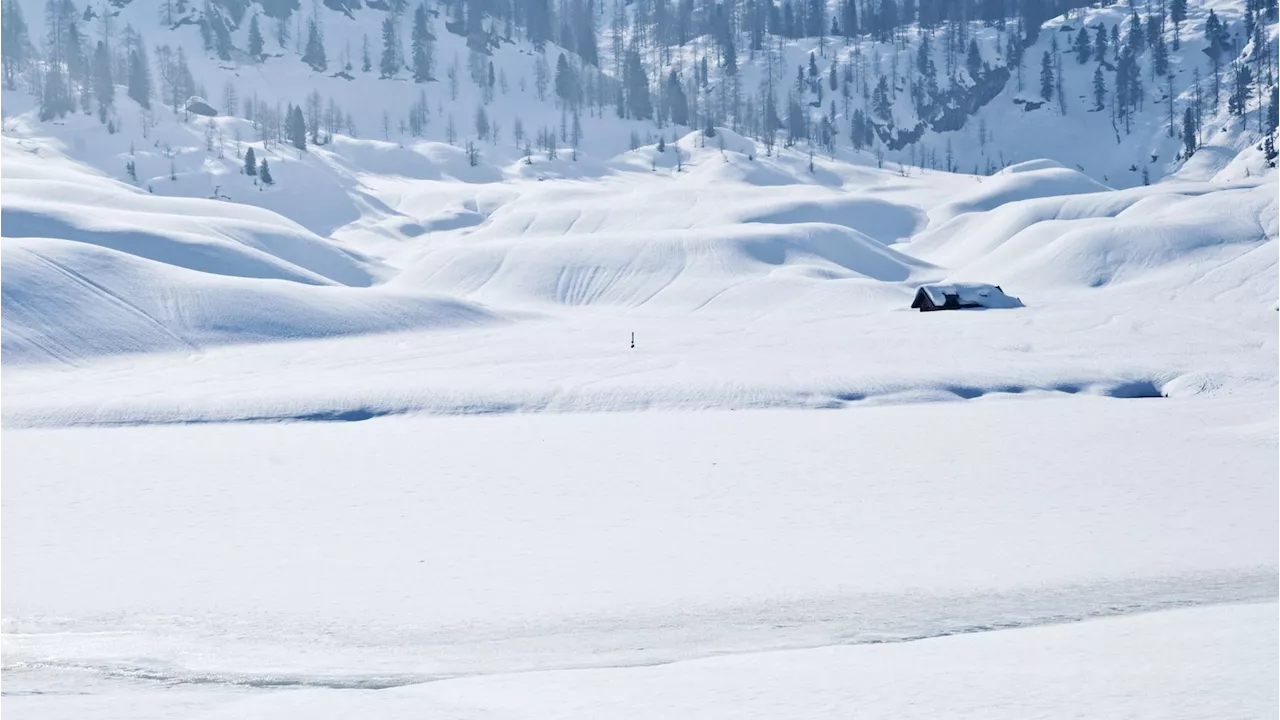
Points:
(969, 295)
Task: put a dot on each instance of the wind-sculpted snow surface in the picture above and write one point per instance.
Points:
(92, 267)
(1181, 233)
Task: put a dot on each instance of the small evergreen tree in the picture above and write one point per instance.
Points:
(1273, 110)
(482, 123)
(389, 64)
(104, 88)
(1082, 47)
(255, 39)
(366, 61)
(1188, 132)
(1046, 77)
(1177, 13)
(421, 45)
(973, 60)
(296, 129)
(1159, 55)
(1100, 43)
(140, 76)
(251, 163)
(1099, 89)
(881, 106)
(264, 174)
(314, 53)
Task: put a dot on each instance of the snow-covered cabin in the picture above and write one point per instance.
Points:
(957, 296)
(198, 106)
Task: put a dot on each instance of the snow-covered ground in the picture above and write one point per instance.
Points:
(632, 436)
(400, 550)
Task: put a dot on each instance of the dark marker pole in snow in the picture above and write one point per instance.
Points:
(633, 340)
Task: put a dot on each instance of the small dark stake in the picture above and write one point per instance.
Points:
(633, 341)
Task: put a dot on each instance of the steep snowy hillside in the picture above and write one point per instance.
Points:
(1122, 93)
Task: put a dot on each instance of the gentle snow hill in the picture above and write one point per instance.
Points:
(1195, 230)
(94, 267)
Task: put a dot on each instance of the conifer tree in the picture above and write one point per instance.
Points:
(1177, 13)
(880, 103)
(1273, 110)
(264, 174)
(1046, 77)
(104, 88)
(297, 128)
(389, 64)
(314, 53)
(250, 163)
(140, 76)
(637, 84)
(1188, 132)
(677, 103)
(1082, 47)
(973, 60)
(255, 39)
(421, 45)
(1099, 89)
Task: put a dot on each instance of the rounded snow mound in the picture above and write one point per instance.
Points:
(47, 196)
(677, 268)
(1031, 166)
(65, 301)
(1023, 183)
(1194, 237)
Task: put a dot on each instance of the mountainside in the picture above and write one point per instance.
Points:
(953, 86)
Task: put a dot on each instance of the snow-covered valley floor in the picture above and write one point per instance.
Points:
(210, 570)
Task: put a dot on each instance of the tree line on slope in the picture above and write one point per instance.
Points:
(946, 79)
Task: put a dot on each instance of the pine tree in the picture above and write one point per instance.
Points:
(389, 64)
(1046, 77)
(1273, 110)
(1241, 86)
(973, 60)
(255, 39)
(140, 76)
(1177, 13)
(250, 163)
(366, 61)
(264, 174)
(637, 84)
(1099, 89)
(1159, 55)
(1100, 43)
(1082, 47)
(677, 103)
(482, 123)
(314, 54)
(1188, 132)
(297, 128)
(1136, 39)
(55, 101)
(104, 88)
(880, 103)
(566, 82)
(421, 45)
